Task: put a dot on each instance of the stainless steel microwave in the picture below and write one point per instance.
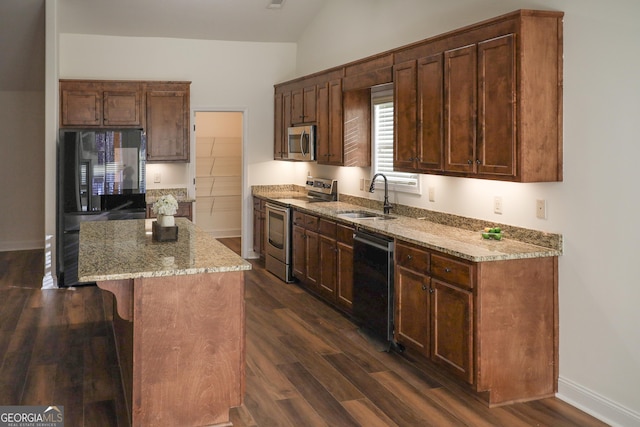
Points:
(301, 142)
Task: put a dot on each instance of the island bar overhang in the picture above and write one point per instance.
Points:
(179, 332)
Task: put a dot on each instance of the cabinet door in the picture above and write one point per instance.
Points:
(404, 110)
(81, 107)
(497, 107)
(167, 125)
(329, 144)
(344, 268)
(452, 329)
(312, 243)
(327, 267)
(322, 125)
(299, 253)
(430, 104)
(309, 103)
(460, 109)
(412, 327)
(122, 108)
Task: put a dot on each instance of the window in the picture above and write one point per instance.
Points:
(382, 134)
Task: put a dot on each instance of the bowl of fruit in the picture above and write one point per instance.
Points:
(494, 233)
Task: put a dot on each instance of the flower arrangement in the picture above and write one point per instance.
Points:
(165, 205)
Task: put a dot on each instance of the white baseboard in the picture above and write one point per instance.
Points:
(218, 234)
(21, 245)
(594, 404)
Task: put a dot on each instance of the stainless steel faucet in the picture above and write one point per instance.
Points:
(386, 206)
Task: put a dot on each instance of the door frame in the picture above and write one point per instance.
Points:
(246, 247)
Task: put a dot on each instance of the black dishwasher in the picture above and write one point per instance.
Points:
(373, 284)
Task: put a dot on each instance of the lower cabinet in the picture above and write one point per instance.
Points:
(492, 325)
(323, 258)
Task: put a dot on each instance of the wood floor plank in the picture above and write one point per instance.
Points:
(263, 368)
(472, 412)
(392, 406)
(100, 414)
(39, 385)
(262, 406)
(305, 331)
(300, 413)
(322, 370)
(367, 414)
(319, 398)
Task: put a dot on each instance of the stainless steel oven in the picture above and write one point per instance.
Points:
(278, 241)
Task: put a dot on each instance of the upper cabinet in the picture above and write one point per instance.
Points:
(100, 104)
(484, 101)
(167, 122)
(160, 108)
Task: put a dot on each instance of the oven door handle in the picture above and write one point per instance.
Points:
(276, 208)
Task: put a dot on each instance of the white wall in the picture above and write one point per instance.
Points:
(22, 170)
(236, 76)
(595, 208)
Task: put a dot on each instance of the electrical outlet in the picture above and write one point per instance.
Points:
(541, 209)
(156, 178)
(367, 184)
(432, 194)
(497, 205)
(361, 184)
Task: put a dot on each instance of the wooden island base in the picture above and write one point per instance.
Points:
(180, 341)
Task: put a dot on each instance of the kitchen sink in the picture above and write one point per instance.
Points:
(362, 215)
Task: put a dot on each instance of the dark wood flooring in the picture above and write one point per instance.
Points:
(306, 364)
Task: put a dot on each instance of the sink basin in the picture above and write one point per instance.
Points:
(362, 215)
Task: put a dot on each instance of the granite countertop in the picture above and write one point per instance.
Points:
(114, 250)
(454, 240)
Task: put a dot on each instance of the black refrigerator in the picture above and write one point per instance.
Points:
(101, 176)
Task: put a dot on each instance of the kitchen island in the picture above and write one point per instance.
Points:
(178, 319)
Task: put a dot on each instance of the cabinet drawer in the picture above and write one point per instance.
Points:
(298, 218)
(453, 271)
(412, 258)
(328, 228)
(311, 222)
(344, 234)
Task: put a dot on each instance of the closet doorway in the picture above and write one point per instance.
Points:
(218, 174)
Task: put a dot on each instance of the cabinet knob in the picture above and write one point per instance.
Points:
(431, 290)
(447, 270)
(424, 287)
(469, 162)
(409, 257)
(411, 159)
(477, 161)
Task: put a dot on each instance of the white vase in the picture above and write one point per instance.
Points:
(166, 220)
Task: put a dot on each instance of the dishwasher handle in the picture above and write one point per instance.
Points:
(375, 241)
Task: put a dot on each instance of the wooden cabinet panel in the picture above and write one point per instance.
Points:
(167, 123)
(460, 109)
(303, 105)
(282, 121)
(452, 329)
(122, 108)
(329, 147)
(357, 127)
(412, 317)
(299, 252)
(496, 106)
(312, 247)
(97, 103)
(404, 148)
(452, 270)
(430, 104)
(80, 107)
(328, 263)
(344, 269)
